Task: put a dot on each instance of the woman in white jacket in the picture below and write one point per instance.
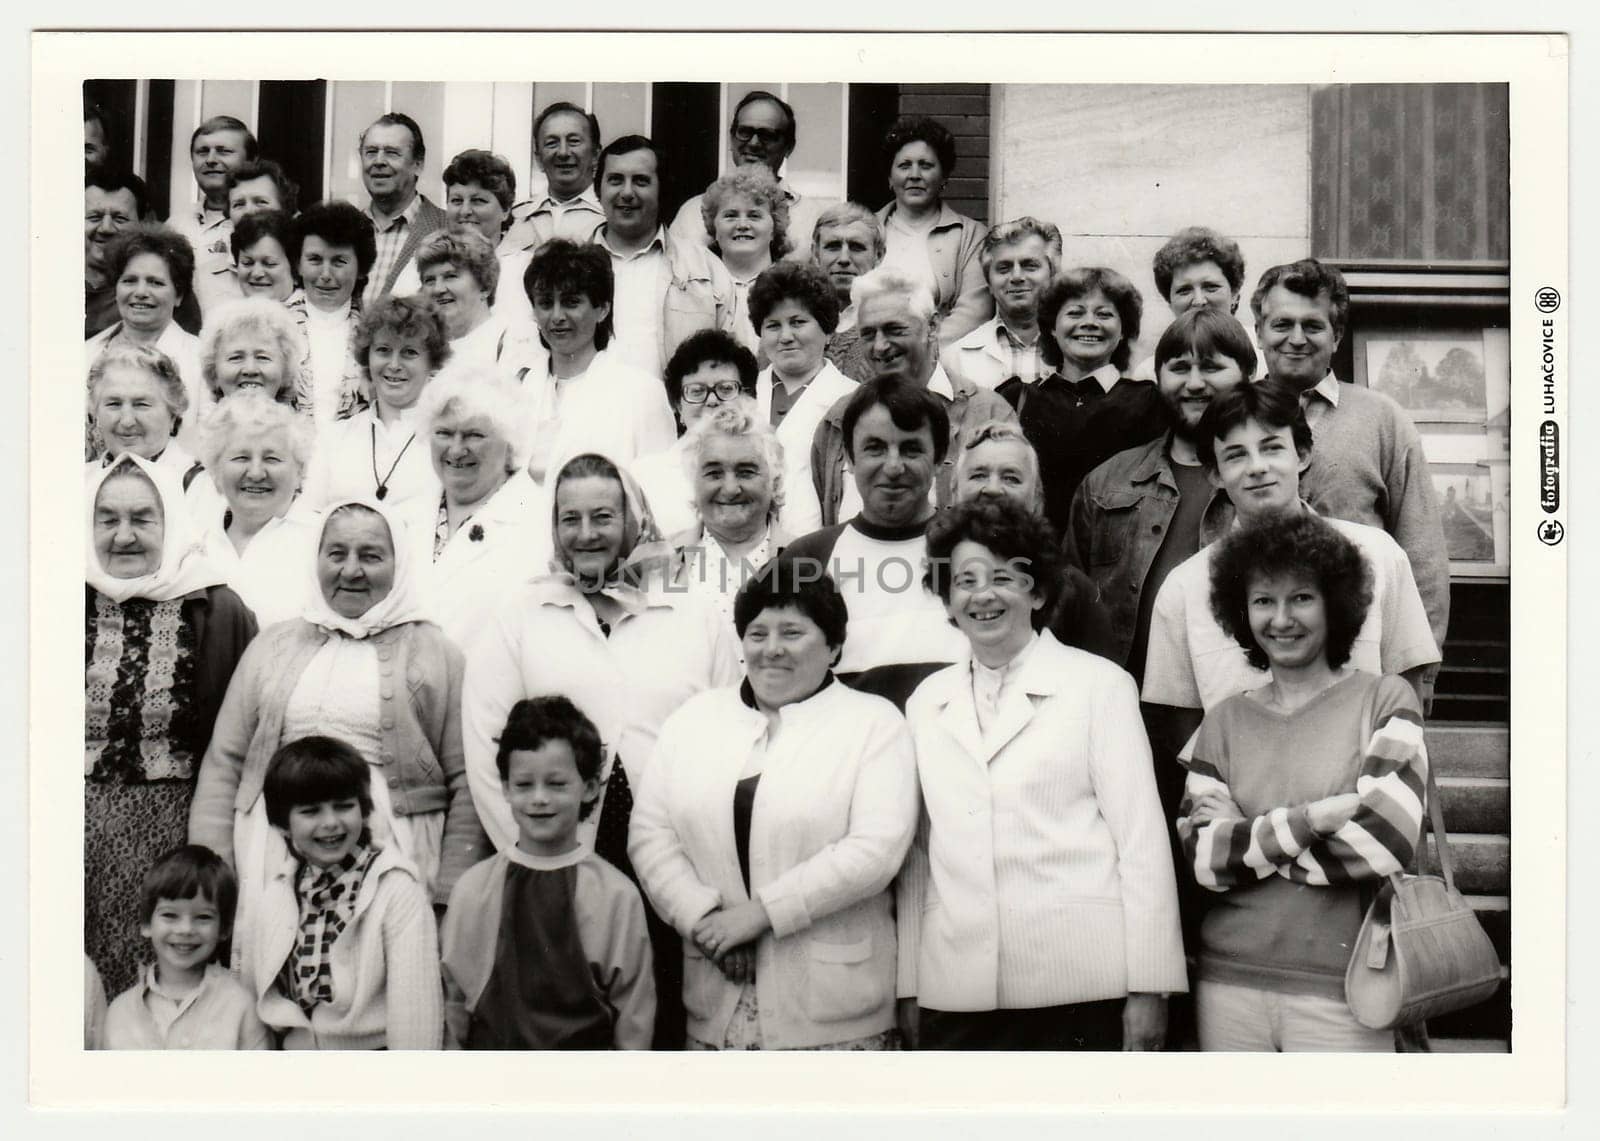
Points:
(773, 821)
(1038, 909)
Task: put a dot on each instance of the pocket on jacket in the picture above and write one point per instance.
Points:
(844, 982)
(702, 983)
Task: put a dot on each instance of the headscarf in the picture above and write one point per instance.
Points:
(184, 567)
(402, 604)
(644, 554)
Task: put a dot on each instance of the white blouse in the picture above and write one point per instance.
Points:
(356, 456)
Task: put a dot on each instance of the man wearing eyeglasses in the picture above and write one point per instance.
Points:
(762, 134)
(391, 152)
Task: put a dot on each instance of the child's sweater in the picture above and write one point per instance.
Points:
(385, 965)
(611, 953)
(219, 1014)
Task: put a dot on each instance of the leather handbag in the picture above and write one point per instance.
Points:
(1421, 951)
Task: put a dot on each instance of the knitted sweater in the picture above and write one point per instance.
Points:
(1367, 466)
(385, 963)
(1291, 899)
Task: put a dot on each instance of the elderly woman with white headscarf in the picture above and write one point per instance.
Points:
(162, 639)
(485, 535)
(606, 630)
(258, 531)
(734, 464)
(362, 664)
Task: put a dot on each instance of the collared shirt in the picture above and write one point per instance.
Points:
(1021, 357)
(1319, 398)
(209, 232)
(1092, 387)
(327, 904)
(641, 283)
(391, 231)
(535, 223)
(989, 683)
(219, 1014)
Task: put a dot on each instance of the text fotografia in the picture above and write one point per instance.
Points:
(891, 576)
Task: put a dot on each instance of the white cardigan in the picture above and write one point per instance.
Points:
(1043, 874)
(802, 513)
(834, 814)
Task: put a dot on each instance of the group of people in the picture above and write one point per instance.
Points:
(532, 625)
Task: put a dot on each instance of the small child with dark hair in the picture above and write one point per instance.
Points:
(545, 944)
(186, 999)
(344, 952)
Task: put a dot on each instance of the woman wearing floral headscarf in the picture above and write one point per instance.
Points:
(161, 640)
(362, 665)
(603, 630)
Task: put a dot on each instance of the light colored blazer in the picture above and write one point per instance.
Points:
(802, 511)
(961, 290)
(1043, 874)
(834, 814)
(504, 545)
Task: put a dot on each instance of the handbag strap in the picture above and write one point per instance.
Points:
(1436, 819)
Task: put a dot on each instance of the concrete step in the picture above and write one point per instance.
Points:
(1476, 804)
(1482, 862)
(1469, 750)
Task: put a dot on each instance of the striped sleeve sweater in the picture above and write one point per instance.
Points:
(1290, 899)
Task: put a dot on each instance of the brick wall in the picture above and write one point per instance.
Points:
(963, 108)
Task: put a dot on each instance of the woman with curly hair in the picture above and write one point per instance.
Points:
(1198, 268)
(924, 236)
(1086, 409)
(1038, 909)
(747, 220)
(461, 276)
(1301, 794)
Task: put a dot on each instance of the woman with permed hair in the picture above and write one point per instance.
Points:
(924, 236)
(1301, 794)
(747, 219)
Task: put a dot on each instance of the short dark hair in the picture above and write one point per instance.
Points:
(112, 178)
(1191, 246)
(1299, 544)
(166, 243)
(573, 108)
(288, 189)
(804, 282)
(419, 149)
(1270, 403)
(1072, 284)
(94, 113)
(910, 407)
(189, 872)
(537, 721)
(708, 346)
(767, 97)
(488, 170)
(250, 229)
(560, 264)
(782, 585)
(1011, 532)
(339, 224)
(1309, 278)
(310, 770)
(921, 129)
(226, 123)
(1207, 332)
(407, 316)
(624, 145)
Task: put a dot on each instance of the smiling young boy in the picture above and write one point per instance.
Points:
(345, 952)
(545, 944)
(185, 1000)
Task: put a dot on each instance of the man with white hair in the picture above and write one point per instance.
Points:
(1018, 258)
(899, 325)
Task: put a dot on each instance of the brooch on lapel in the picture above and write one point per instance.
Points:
(476, 534)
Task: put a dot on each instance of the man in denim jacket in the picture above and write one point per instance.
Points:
(665, 289)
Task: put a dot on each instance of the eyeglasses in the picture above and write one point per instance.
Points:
(766, 136)
(695, 392)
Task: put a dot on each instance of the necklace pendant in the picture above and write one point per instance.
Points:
(383, 492)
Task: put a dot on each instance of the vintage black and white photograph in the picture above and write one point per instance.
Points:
(775, 564)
